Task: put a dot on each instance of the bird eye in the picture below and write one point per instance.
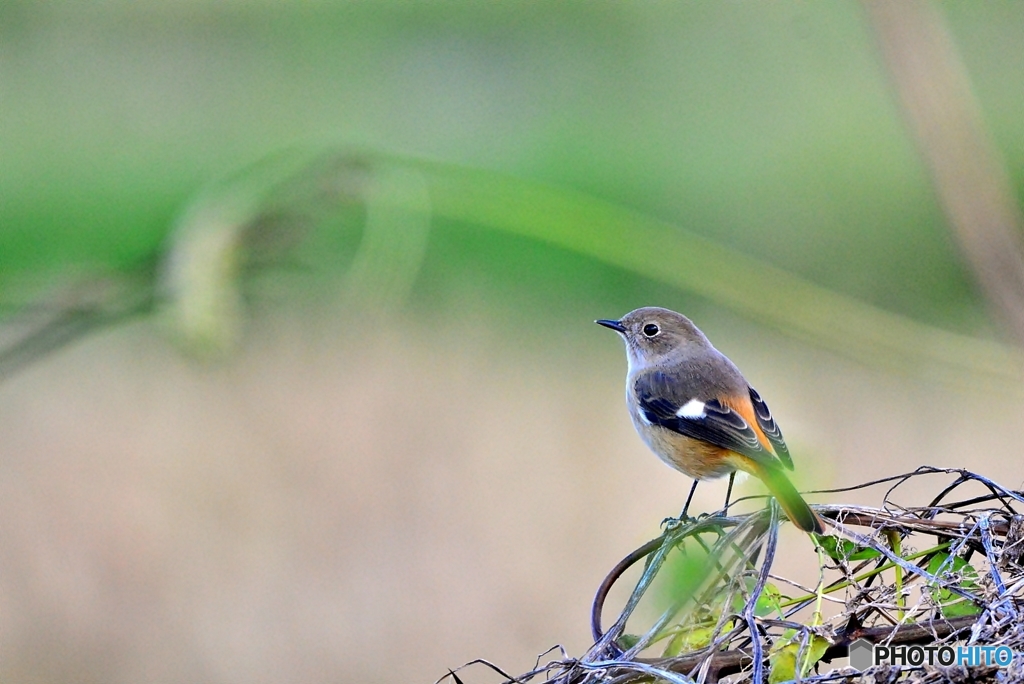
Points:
(651, 330)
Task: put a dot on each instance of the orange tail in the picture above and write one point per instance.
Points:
(787, 496)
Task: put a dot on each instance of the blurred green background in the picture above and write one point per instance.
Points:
(386, 474)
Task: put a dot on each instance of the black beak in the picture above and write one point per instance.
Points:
(614, 325)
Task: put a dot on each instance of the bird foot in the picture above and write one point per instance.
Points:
(683, 519)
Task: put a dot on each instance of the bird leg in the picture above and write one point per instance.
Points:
(728, 492)
(686, 506)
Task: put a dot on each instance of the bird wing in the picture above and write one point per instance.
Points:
(770, 429)
(710, 420)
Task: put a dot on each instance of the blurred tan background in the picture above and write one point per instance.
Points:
(359, 424)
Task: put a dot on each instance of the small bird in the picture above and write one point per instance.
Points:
(696, 411)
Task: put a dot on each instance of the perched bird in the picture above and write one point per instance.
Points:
(696, 411)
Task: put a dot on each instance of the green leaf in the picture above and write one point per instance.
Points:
(839, 549)
(767, 603)
(686, 640)
(627, 641)
(950, 604)
(784, 654)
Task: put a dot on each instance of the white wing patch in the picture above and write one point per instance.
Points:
(692, 409)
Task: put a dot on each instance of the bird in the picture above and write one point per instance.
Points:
(694, 409)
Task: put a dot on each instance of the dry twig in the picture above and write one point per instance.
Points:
(947, 572)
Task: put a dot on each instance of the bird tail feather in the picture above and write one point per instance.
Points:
(788, 497)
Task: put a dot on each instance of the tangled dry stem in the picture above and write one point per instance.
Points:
(949, 572)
